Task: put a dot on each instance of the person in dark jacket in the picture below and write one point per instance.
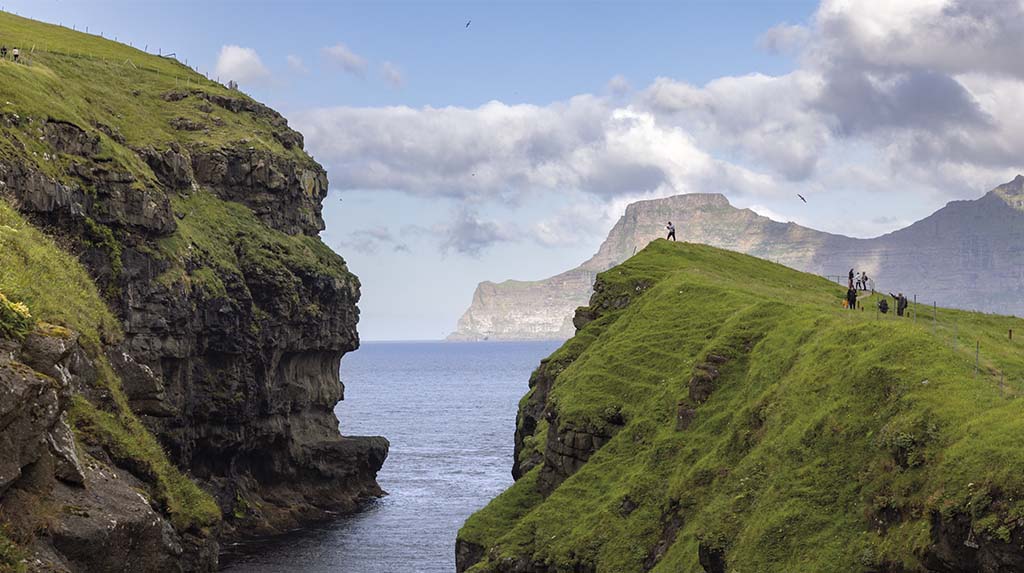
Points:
(851, 298)
(901, 303)
(851, 278)
(883, 306)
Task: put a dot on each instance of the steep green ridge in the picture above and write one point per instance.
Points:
(120, 91)
(755, 425)
(49, 281)
(54, 288)
(231, 239)
(173, 224)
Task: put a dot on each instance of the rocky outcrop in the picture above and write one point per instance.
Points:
(285, 193)
(569, 446)
(32, 408)
(961, 256)
(232, 340)
(240, 387)
(77, 513)
(509, 311)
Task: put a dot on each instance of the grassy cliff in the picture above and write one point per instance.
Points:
(173, 223)
(124, 94)
(43, 287)
(722, 413)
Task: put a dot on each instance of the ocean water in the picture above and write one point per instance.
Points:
(449, 411)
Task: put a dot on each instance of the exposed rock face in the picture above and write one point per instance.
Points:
(524, 310)
(709, 383)
(964, 255)
(282, 192)
(239, 384)
(101, 521)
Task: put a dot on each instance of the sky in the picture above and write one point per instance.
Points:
(508, 148)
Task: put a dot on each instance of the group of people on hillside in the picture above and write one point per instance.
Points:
(857, 282)
(860, 281)
(15, 53)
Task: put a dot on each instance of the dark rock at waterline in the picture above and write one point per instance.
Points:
(238, 384)
(99, 518)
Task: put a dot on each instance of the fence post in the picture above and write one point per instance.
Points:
(915, 309)
(955, 325)
(977, 353)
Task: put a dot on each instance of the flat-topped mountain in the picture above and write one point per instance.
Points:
(717, 412)
(968, 254)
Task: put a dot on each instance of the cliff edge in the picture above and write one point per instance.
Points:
(963, 255)
(194, 213)
(717, 412)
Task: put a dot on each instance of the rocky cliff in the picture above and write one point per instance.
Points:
(963, 255)
(703, 418)
(196, 213)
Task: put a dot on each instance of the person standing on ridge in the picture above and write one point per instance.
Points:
(851, 298)
(671, 231)
(901, 303)
(864, 279)
(851, 278)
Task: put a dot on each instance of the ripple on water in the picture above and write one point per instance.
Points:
(449, 412)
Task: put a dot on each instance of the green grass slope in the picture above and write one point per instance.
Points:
(91, 114)
(123, 96)
(831, 440)
(120, 91)
(37, 278)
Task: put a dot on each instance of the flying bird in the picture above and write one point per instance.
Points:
(468, 23)
(801, 197)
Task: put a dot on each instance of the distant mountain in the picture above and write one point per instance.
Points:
(969, 254)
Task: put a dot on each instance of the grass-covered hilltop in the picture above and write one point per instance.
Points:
(717, 412)
(171, 324)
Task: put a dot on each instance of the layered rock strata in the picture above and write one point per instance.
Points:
(962, 256)
(235, 315)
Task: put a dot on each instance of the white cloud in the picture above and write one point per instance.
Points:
(770, 213)
(919, 100)
(470, 235)
(618, 85)
(349, 61)
(296, 64)
(769, 121)
(948, 36)
(506, 152)
(784, 39)
(370, 240)
(392, 74)
(585, 220)
(240, 64)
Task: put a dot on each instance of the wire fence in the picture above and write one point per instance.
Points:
(944, 325)
(28, 55)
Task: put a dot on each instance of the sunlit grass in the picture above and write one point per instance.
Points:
(822, 420)
(53, 287)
